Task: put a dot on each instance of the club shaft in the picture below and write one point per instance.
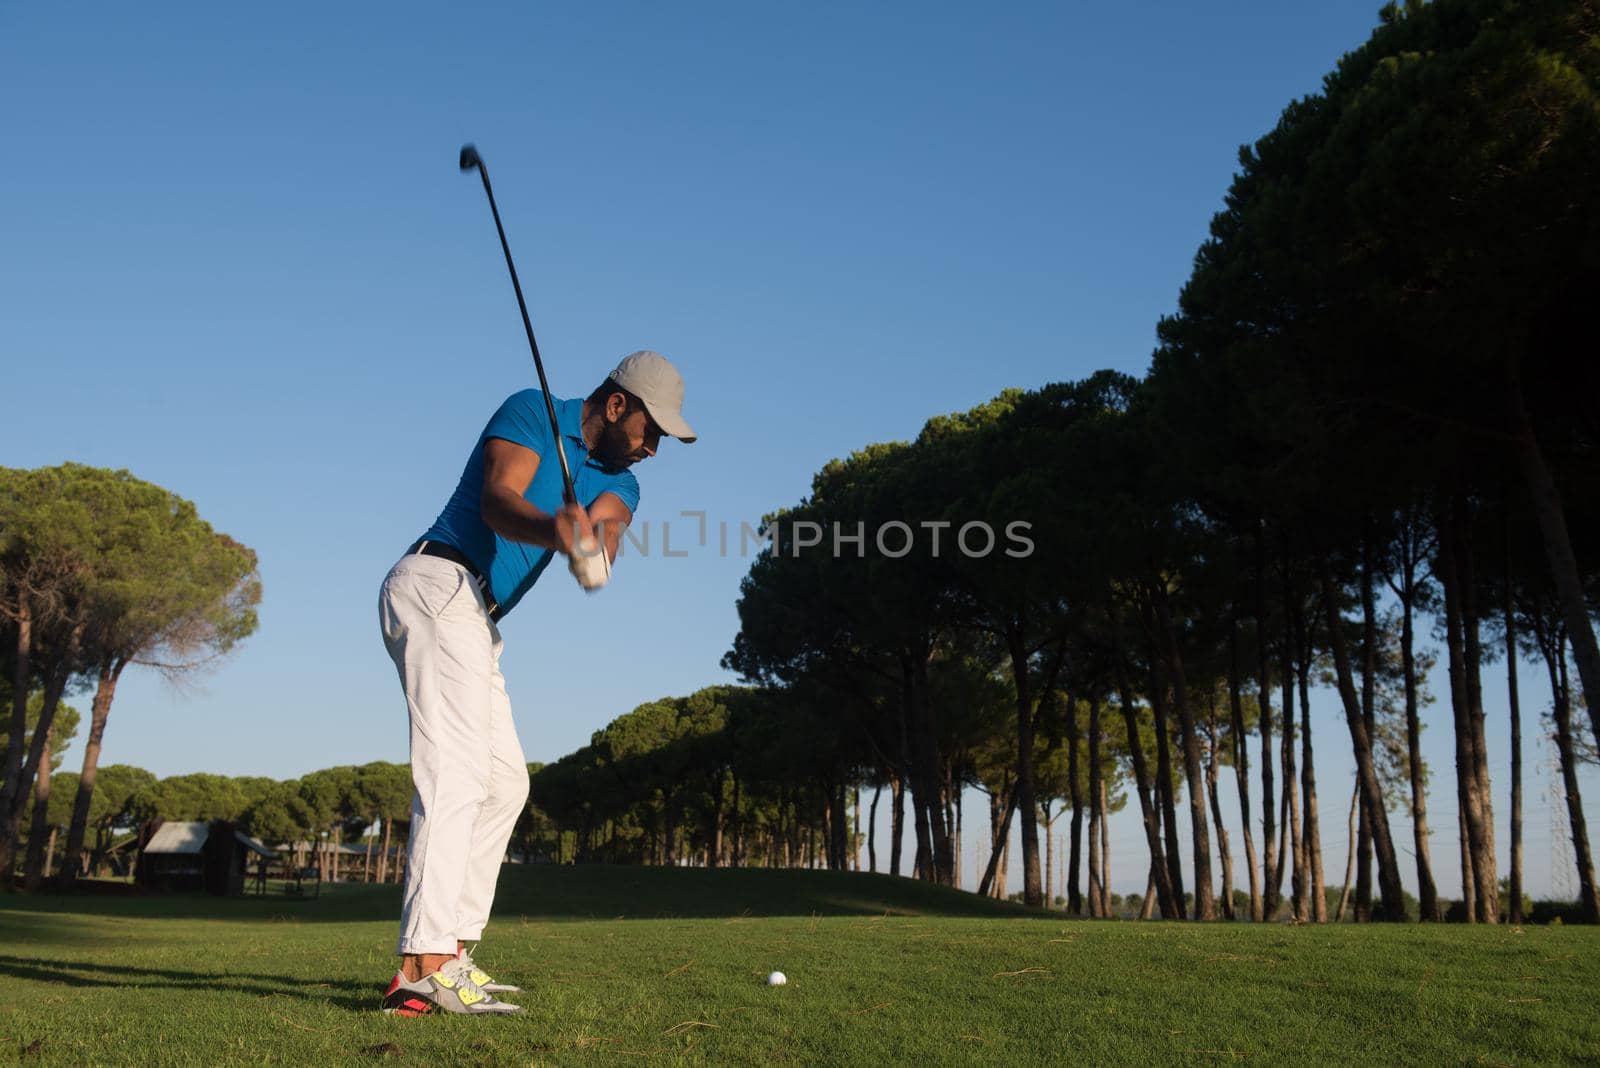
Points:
(567, 493)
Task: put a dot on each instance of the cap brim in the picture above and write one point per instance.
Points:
(671, 423)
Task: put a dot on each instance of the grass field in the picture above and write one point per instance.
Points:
(667, 966)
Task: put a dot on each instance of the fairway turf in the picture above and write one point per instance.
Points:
(668, 966)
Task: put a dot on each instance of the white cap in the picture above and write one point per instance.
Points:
(651, 377)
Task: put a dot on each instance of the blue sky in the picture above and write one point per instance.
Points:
(239, 260)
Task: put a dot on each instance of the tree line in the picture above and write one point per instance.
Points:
(1374, 409)
(312, 816)
(769, 777)
(99, 571)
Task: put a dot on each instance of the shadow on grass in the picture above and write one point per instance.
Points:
(603, 891)
(339, 903)
(353, 996)
(565, 892)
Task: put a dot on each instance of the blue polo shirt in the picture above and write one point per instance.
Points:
(512, 567)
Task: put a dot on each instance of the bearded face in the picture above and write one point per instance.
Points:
(626, 437)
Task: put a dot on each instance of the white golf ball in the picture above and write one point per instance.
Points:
(777, 979)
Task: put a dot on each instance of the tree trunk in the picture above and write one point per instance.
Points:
(37, 761)
(100, 710)
(1205, 904)
(1308, 779)
(855, 830)
(911, 747)
(933, 842)
(1223, 852)
(830, 859)
(1285, 824)
(1349, 856)
(1454, 575)
(841, 830)
(714, 843)
(1169, 810)
(1516, 732)
(1393, 907)
(1363, 903)
(940, 840)
(1564, 571)
(952, 817)
(808, 841)
(1032, 892)
(1096, 813)
(1271, 861)
(1241, 770)
(1485, 868)
(1160, 878)
(897, 819)
(1299, 887)
(1094, 858)
(1000, 809)
(736, 822)
(669, 836)
(383, 858)
(958, 820)
(1105, 851)
(33, 863)
(1369, 677)
(872, 830)
(36, 755)
(97, 855)
(1469, 885)
(797, 843)
(1075, 796)
(1147, 905)
(1049, 861)
(1569, 779)
(17, 735)
(1427, 892)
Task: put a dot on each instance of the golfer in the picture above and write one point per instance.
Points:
(439, 607)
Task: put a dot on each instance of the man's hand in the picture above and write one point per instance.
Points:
(590, 564)
(574, 532)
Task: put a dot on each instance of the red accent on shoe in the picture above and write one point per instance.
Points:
(413, 1007)
(394, 985)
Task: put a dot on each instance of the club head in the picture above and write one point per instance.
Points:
(470, 158)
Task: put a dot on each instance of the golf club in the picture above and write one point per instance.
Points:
(592, 569)
(471, 160)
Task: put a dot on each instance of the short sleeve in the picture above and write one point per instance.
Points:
(523, 421)
(626, 487)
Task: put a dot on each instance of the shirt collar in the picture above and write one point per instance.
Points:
(569, 416)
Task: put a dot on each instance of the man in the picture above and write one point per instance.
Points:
(438, 608)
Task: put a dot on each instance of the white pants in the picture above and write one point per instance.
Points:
(466, 763)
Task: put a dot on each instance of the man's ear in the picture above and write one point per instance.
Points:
(616, 407)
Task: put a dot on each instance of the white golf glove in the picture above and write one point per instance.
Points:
(590, 565)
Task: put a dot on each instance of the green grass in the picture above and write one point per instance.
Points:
(665, 966)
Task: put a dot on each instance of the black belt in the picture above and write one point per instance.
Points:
(449, 552)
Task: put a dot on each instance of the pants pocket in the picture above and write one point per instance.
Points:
(434, 590)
